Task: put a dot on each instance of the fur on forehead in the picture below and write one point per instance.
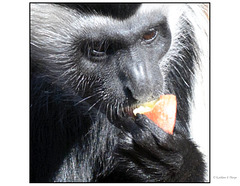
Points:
(58, 24)
(65, 20)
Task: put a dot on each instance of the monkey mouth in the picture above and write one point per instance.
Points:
(130, 109)
(164, 103)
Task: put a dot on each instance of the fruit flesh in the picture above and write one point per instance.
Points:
(162, 112)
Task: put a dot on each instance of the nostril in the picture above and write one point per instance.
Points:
(129, 94)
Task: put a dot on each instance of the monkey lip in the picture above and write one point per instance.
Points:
(128, 111)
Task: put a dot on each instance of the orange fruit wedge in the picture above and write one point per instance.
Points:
(162, 112)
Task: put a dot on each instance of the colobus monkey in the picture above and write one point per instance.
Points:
(91, 65)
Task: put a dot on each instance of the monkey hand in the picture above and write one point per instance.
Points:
(148, 153)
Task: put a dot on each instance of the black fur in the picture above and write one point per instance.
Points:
(115, 10)
(82, 129)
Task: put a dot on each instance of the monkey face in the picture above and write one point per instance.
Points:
(114, 65)
(125, 64)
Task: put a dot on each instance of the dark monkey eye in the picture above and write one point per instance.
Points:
(150, 35)
(98, 49)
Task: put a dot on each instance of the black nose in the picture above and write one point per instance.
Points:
(143, 90)
(138, 92)
(141, 76)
